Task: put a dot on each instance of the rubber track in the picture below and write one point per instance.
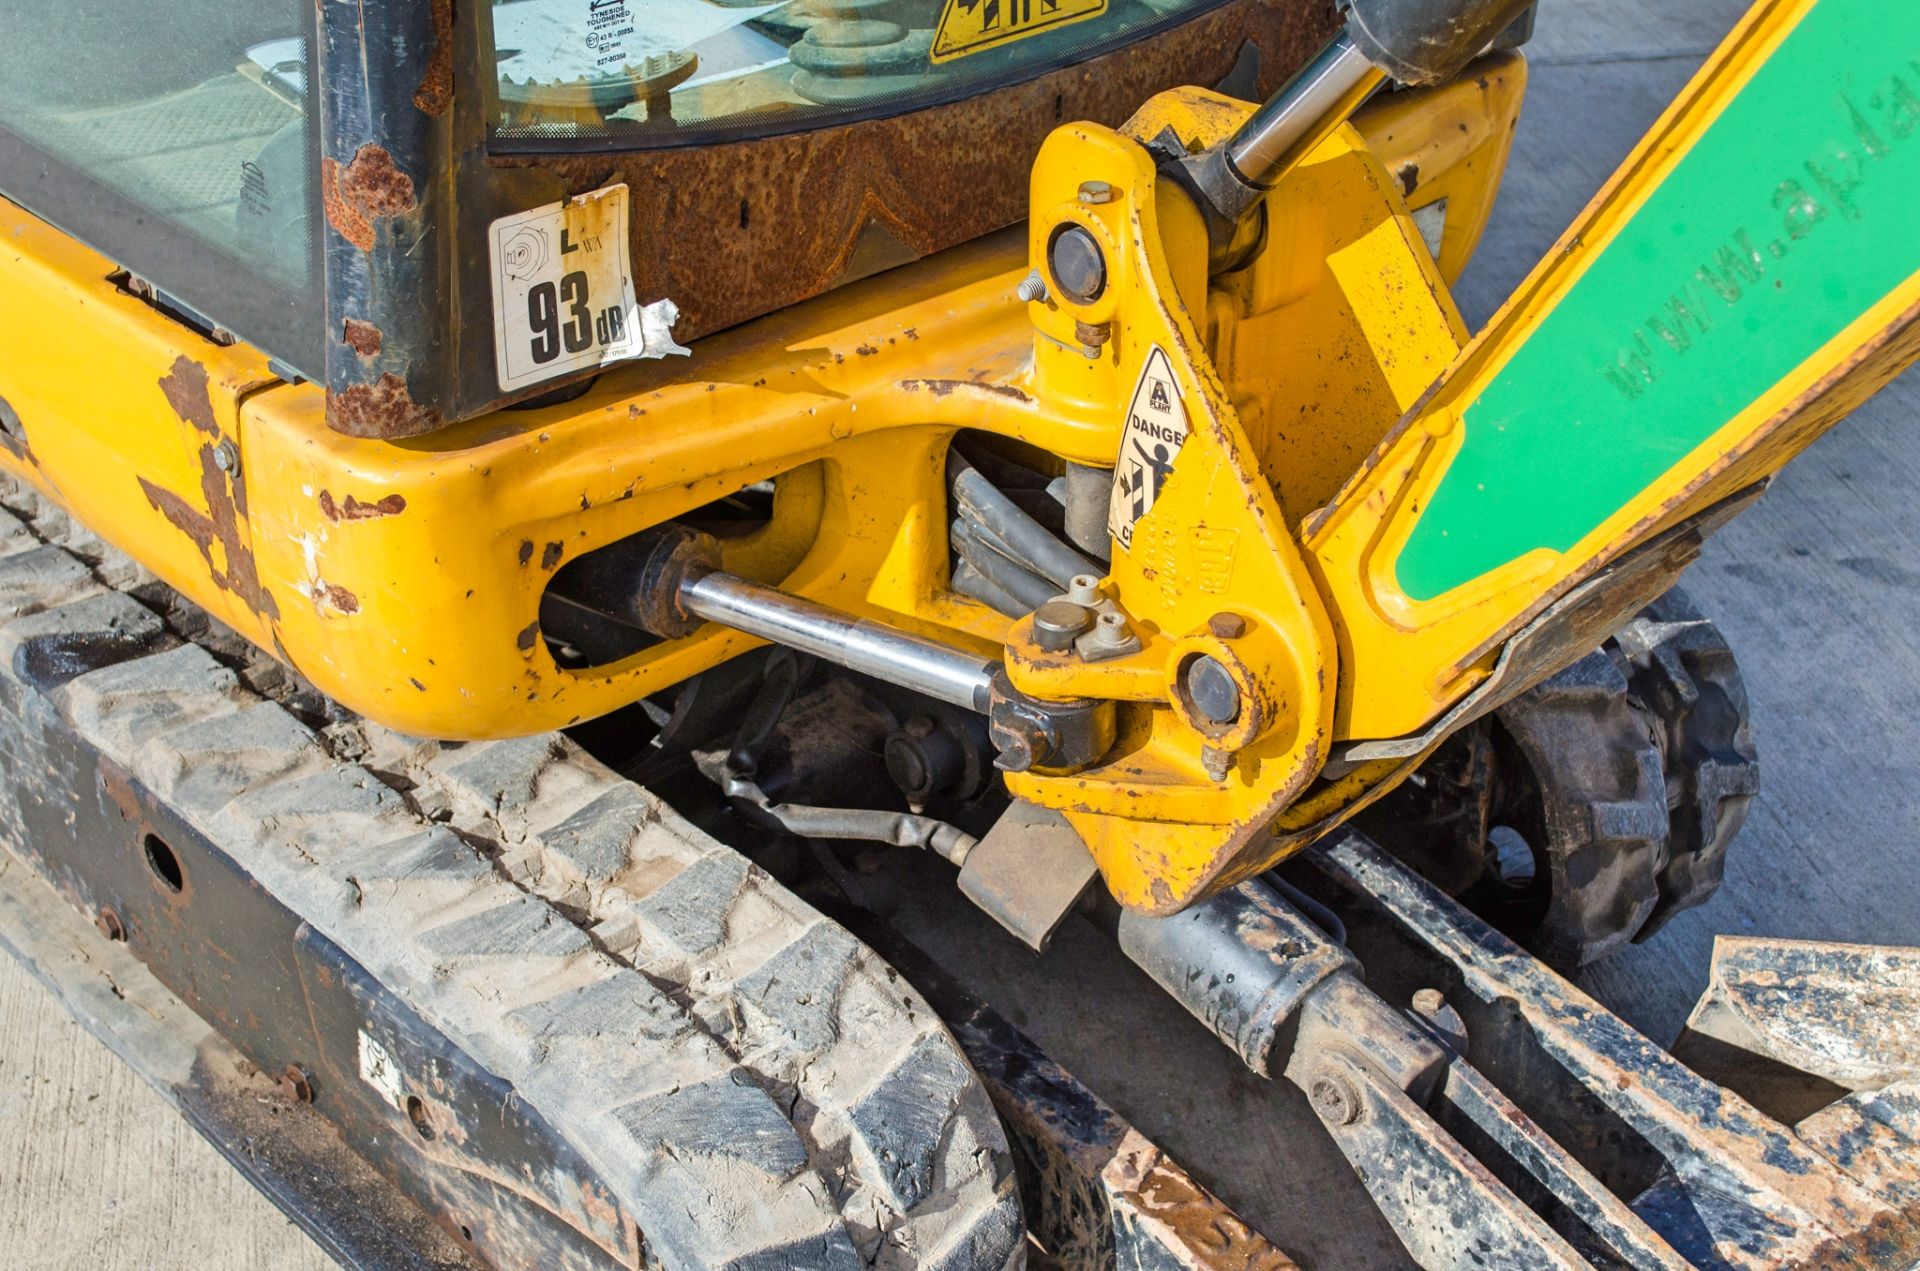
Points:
(758, 1088)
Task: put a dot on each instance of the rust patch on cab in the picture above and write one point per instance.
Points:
(435, 93)
(381, 410)
(362, 337)
(352, 509)
(367, 190)
(735, 231)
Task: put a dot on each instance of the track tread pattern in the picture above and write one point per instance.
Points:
(816, 1019)
(736, 1067)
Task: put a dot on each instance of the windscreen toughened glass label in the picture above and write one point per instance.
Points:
(562, 289)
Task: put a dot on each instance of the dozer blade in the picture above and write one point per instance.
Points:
(1796, 1024)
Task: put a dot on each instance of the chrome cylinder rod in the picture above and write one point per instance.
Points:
(1316, 101)
(1327, 90)
(899, 657)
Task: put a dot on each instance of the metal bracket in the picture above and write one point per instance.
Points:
(1029, 872)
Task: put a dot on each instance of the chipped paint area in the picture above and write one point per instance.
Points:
(352, 509)
(235, 570)
(328, 599)
(186, 389)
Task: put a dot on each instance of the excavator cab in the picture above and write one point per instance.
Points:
(772, 152)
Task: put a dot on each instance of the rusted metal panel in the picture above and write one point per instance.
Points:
(727, 232)
(733, 231)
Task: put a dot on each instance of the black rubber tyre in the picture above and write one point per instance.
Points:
(1578, 775)
(1626, 777)
(1682, 671)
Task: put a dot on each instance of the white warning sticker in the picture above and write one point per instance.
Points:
(1156, 429)
(563, 291)
(378, 1070)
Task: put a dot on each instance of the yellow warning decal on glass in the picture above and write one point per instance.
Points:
(973, 26)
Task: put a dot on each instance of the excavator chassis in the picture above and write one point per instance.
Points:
(419, 1009)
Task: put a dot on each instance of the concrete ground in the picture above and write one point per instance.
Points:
(1818, 588)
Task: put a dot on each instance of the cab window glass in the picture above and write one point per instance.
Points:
(177, 132)
(645, 73)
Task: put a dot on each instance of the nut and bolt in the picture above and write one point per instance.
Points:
(1084, 589)
(1217, 762)
(296, 1085)
(1226, 626)
(1110, 631)
(1033, 287)
(1018, 749)
(226, 457)
(1095, 192)
(1093, 337)
(1058, 623)
(110, 925)
(1334, 1098)
(1211, 690)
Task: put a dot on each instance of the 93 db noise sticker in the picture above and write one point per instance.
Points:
(563, 292)
(1156, 428)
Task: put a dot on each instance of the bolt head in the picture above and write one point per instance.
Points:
(1084, 589)
(1226, 626)
(226, 457)
(1428, 1001)
(1334, 1098)
(110, 925)
(296, 1085)
(1033, 287)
